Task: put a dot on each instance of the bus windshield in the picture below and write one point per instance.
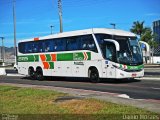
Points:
(130, 51)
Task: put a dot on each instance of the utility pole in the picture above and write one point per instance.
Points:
(51, 29)
(14, 22)
(114, 25)
(3, 50)
(60, 15)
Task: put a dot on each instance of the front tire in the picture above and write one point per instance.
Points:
(94, 75)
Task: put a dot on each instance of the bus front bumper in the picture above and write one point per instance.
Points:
(123, 74)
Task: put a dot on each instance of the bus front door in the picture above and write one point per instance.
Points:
(110, 59)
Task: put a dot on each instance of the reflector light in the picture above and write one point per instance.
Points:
(35, 39)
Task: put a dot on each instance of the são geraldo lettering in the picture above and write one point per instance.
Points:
(23, 59)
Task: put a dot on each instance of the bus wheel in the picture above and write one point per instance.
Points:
(39, 74)
(31, 73)
(94, 75)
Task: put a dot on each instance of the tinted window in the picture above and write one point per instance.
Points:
(72, 43)
(40, 46)
(87, 43)
(28, 47)
(35, 47)
(48, 46)
(59, 45)
(100, 39)
(21, 47)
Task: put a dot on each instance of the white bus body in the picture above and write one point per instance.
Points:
(94, 53)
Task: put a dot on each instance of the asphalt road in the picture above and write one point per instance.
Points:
(136, 89)
(152, 72)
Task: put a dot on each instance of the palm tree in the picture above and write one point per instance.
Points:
(145, 34)
(149, 37)
(138, 28)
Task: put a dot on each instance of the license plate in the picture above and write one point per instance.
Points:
(134, 75)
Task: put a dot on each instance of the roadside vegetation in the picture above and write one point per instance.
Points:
(31, 102)
(145, 33)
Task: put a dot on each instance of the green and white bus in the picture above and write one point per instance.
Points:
(92, 53)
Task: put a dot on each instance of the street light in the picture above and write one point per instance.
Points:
(51, 29)
(14, 25)
(60, 15)
(114, 25)
(2, 50)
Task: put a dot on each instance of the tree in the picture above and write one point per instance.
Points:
(145, 33)
(138, 28)
(149, 37)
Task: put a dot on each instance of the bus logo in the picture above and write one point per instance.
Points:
(22, 58)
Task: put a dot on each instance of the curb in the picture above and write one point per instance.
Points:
(15, 75)
(149, 78)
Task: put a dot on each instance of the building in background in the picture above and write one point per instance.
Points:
(156, 30)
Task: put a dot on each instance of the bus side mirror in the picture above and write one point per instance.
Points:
(115, 43)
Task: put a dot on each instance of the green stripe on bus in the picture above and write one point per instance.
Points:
(60, 57)
(135, 67)
(65, 57)
(78, 56)
(121, 66)
(28, 58)
(51, 65)
(89, 55)
(36, 58)
(48, 57)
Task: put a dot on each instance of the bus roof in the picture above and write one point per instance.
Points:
(85, 32)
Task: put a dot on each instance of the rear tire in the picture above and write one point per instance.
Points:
(31, 73)
(39, 74)
(94, 75)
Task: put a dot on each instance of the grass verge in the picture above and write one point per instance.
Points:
(33, 103)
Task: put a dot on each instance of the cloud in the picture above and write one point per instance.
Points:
(152, 14)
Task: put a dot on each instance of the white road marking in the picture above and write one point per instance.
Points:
(155, 88)
(15, 75)
(123, 96)
(148, 78)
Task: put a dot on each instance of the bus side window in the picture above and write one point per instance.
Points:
(21, 47)
(28, 48)
(55, 46)
(60, 44)
(72, 44)
(35, 47)
(40, 47)
(87, 43)
(63, 44)
(48, 46)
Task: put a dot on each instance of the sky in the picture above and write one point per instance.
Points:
(34, 17)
